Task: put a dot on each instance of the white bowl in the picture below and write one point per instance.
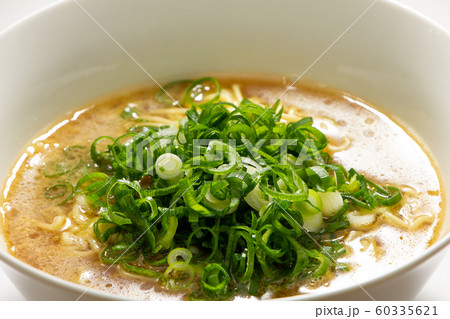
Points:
(61, 58)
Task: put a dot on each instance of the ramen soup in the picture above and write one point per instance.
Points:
(222, 189)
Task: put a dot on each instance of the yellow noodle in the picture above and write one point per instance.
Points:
(76, 230)
(158, 120)
(354, 234)
(340, 147)
(69, 239)
(290, 117)
(77, 214)
(420, 221)
(59, 223)
(88, 237)
(257, 100)
(405, 211)
(228, 96)
(237, 92)
(81, 243)
(408, 191)
(169, 111)
(393, 220)
(372, 242)
(75, 251)
(208, 97)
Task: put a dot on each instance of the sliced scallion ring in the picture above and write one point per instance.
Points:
(168, 166)
(219, 196)
(177, 253)
(203, 92)
(179, 275)
(215, 279)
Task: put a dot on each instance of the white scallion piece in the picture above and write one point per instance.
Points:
(361, 220)
(254, 197)
(331, 203)
(313, 223)
(210, 201)
(176, 253)
(311, 211)
(168, 166)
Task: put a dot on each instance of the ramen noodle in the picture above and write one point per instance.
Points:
(53, 222)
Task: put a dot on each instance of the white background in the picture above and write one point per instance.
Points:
(12, 11)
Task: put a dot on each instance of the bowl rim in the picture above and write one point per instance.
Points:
(45, 278)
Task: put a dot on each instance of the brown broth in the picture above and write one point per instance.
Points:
(379, 148)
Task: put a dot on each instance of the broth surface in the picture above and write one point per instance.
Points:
(361, 137)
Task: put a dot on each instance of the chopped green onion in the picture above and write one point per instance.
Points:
(214, 203)
(176, 253)
(140, 271)
(131, 112)
(179, 275)
(199, 92)
(311, 210)
(223, 196)
(63, 189)
(67, 165)
(215, 280)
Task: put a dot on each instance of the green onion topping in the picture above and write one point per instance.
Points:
(234, 201)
